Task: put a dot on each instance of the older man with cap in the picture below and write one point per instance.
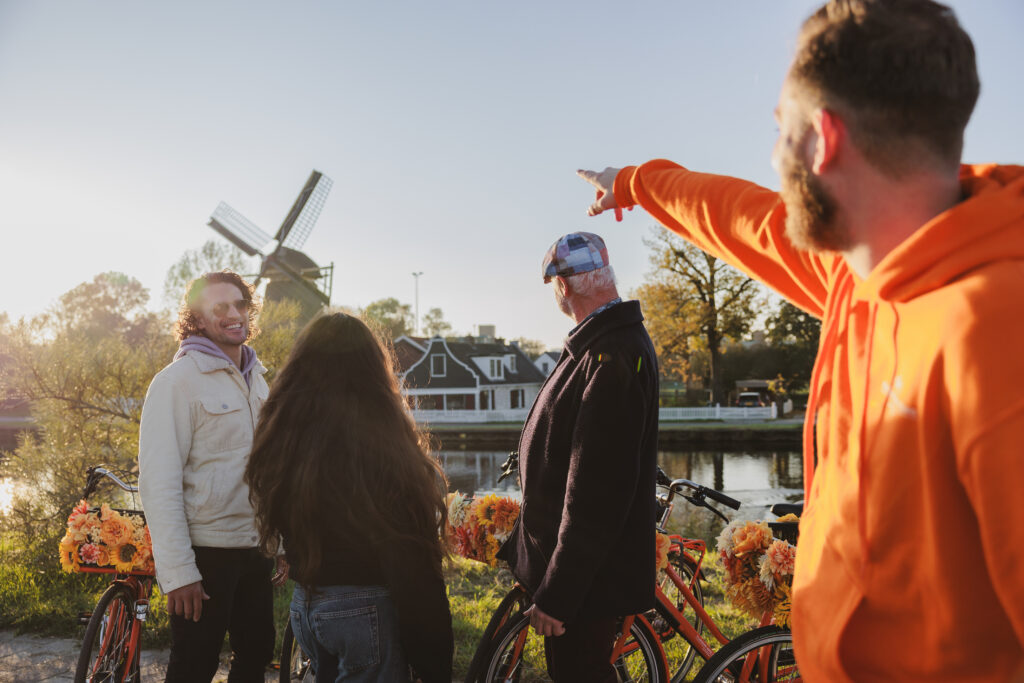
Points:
(584, 544)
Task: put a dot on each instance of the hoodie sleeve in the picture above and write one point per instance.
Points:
(165, 439)
(734, 220)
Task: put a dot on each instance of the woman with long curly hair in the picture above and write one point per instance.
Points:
(341, 476)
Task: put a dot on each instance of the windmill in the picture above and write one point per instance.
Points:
(290, 273)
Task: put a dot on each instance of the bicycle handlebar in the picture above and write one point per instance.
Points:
(95, 474)
(674, 485)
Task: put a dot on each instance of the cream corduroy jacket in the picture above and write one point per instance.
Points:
(194, 441)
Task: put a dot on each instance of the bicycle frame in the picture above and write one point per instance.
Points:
(140, 587)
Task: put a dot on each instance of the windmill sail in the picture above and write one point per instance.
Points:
(304, 212)
(240, 231)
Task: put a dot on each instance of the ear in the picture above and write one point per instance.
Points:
(562, 284)
(830, 134)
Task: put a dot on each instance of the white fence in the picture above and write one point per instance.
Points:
(664, 414)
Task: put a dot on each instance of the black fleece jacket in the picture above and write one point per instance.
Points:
(584, 542)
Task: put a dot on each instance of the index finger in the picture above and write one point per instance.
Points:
(589, 176)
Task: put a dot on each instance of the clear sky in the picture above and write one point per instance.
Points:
(452, 131)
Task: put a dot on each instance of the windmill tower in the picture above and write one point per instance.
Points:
(290, 273)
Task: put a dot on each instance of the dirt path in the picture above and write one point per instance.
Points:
(25, 658)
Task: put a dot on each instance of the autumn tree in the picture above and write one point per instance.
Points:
(694, 301)
(434, 324)
(390, 316)
(85, 365)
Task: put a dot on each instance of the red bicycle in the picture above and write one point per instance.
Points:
(110, 649)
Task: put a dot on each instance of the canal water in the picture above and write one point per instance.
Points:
(757, 479)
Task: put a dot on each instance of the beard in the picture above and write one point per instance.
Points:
(811, 212)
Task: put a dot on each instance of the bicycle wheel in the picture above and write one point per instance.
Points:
(105, 655)
(295, 665)
(764, 655)
(679, 652)
(517, 655)
(515, 602)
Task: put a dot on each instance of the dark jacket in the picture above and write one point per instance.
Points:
(584, 543)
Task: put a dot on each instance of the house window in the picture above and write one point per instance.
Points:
(438, 365)
(518, 398)
(512, 364)
(496, 368)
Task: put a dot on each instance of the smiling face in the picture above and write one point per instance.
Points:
(223, 315)
(811, 210)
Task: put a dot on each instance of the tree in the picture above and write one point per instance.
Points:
(85, 365)
(390, 316)
(213, 255)
(533, 348)
(796, 333)
(279, 325)
(434, 324)
(692, 295)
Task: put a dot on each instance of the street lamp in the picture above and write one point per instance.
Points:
(416, 324)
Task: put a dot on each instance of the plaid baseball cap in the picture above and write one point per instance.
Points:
(575, 253)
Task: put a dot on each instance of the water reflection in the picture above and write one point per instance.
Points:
(755, 478)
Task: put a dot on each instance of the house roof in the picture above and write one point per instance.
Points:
(460, 369)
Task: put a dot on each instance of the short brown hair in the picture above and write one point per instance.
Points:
(187, 325)
(901, 71)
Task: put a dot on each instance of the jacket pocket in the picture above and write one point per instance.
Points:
(223, 425)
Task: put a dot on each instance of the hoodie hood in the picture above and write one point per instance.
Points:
(987, 226)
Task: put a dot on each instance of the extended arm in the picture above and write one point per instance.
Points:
(734, 220)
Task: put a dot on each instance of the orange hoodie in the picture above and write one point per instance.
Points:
(911, 556)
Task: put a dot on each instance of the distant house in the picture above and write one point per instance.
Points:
(469, 374)
(546, 361)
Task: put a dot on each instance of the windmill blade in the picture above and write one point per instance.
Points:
(240, 231)
(300, 220)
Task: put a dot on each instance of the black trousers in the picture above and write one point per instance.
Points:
(583, 653)
(242, 604)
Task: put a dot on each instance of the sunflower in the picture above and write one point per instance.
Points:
(784, 604)
(69, 554)
(485, 509)
(124, 557)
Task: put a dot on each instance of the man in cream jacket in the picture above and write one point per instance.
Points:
(197, 429)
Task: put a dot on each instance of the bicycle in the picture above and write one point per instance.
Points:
(110, 648)
(506, 651)
(764, 654)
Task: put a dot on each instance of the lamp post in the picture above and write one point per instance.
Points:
(416, 324)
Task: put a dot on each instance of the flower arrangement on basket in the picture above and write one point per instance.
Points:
(478, 526)
(758, 569)
(106, 539)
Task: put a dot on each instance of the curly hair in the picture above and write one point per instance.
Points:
(188, 325)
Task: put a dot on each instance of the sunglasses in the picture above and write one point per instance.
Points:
(220, 310)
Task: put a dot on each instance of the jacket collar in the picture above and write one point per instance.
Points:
(208, 363)
(619, 315)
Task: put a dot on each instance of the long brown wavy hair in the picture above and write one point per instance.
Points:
(337, 455)
(188, 325)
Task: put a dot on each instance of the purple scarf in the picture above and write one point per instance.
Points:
(200, 343)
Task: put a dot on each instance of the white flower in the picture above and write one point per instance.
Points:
(458, 508)
(725, 538)
(765, 573)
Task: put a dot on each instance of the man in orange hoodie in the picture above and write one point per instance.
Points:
(911, 557)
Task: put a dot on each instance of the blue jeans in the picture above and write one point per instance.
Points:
(350, 633)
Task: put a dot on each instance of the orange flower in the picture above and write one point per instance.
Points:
(102, 556)
(752, 537)
(662, 546)
(115, 530)
(82, 523)
(506, 510)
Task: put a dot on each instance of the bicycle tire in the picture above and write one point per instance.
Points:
(515, 601)
(517, 654)
(679, 652)
(771, 659)
(105, 648)
(295, 665)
